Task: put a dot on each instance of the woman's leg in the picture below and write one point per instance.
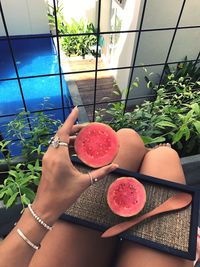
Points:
(132, 150)
(71, 245)
(162, 162)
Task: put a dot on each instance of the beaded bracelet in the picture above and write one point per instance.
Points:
(22, 235)
(38, 219)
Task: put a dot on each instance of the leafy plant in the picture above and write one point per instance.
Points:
(20, 184)
(60, 18)
(78, 44)
(75, 44)
(182, 70)
(4, 150)
(32, 132)
(173, 116)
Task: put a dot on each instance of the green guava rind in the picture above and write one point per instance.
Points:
(96, 145)
(126, 196)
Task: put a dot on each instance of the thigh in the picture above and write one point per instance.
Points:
(162, 162)
(70, 245)
(135, 255)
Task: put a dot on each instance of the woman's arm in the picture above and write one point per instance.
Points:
(61, 184)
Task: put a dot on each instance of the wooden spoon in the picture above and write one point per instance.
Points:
(175, 202)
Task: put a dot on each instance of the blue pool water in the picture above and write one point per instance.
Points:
(35, 56)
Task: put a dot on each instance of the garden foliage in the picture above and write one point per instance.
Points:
(23, 172)
(172, 116)
(77, 42)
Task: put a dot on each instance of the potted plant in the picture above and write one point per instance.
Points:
(20, 175)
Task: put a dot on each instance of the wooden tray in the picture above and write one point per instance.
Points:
(174, 232)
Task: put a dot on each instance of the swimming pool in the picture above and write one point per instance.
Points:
(33, 56)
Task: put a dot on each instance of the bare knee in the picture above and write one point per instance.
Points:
(165, 151)
(132, 150)
(127, 131)
(163, 162)
(163, 155)
(129, 135)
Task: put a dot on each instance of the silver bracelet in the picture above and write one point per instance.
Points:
(21, 234)
(39, 219)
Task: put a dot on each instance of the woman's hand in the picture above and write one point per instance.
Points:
(61, 183)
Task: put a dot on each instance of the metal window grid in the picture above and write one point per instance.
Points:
(96, 70)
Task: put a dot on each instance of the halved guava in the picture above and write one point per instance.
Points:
(126, 196)
(96, 145)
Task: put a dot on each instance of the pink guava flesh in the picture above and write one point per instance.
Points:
(126, 196)
(96, 145)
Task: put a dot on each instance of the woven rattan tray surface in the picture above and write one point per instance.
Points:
(170, 230)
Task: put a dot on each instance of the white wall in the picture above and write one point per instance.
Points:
(2, 31)
(88, 10)
(154, 45)
(25, 17)
(121, 54)
(105, 15)
(78, 9)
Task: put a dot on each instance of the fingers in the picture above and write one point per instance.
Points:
(75, 130)
(101, 173)
(72, 140)
(77, 127)
(64, 132)
(68, 124)
(71, 145)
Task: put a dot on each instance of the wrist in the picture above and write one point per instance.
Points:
(38, 219)
(48, 215)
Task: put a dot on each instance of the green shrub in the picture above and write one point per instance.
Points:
(74, 44)
(183, 69)
(23, 172)
(173, 116)
(78, 44)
